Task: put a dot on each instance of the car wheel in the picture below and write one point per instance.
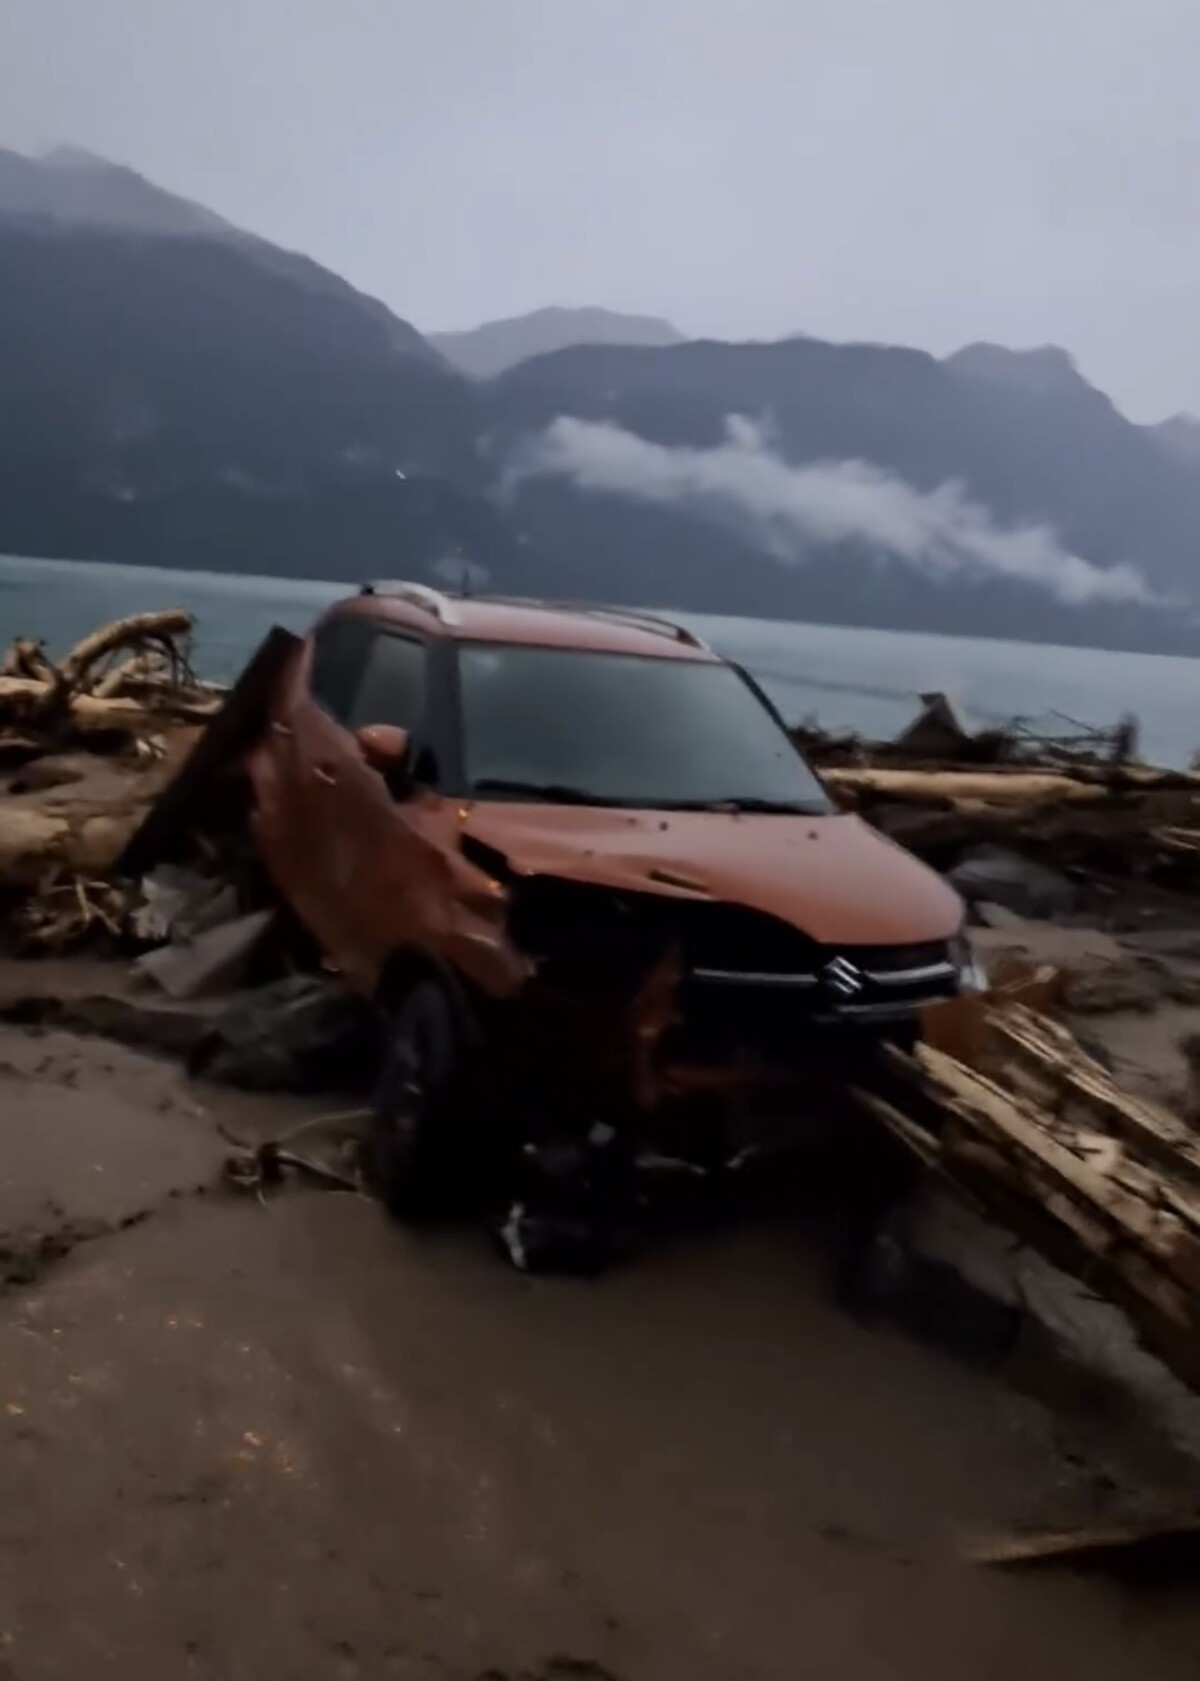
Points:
(415, 1144)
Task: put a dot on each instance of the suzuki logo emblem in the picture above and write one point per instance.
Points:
(842, 978)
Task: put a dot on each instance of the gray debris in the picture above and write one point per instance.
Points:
(178, 902)
(938, 731)
(995, 875)
(946, 1273)
(999, 917)
(211, 962)
(573, 1199)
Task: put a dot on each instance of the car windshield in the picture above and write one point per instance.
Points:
(580, 727)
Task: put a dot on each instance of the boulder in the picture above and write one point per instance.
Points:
(996, 875)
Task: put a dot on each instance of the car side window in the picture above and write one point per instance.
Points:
(339, 654)
(392, 690)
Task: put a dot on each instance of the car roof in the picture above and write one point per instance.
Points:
(613, 630)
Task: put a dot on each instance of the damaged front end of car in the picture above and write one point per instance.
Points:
(652, 1000)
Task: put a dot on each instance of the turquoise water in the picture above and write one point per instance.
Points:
(866, 680)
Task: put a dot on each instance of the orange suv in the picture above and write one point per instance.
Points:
(578, 862)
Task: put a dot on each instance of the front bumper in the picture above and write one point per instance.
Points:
(757, 1032)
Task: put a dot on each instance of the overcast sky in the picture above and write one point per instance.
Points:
(919, 171)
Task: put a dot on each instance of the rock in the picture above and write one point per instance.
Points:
(998, 876)
(999, 917)
(1172, 942)
(950, 1275)
(1098, 989)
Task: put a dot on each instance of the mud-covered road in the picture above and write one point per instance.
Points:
(294, 1442)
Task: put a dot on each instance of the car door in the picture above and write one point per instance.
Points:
(304, 742)
(360, 836)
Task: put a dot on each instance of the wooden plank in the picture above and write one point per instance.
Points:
(1159, 1134)
(1061, 1229)
(1108, 1204)
(1141, 1224)
(983, 1101)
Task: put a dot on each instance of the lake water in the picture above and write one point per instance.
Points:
(866, 680)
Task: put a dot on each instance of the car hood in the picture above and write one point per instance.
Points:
(835, 879)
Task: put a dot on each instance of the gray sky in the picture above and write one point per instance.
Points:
(919, 171)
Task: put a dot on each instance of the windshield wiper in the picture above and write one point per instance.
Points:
(755, 802)
(554, 793)
(565, 793)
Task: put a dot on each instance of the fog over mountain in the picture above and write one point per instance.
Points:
(794, 509)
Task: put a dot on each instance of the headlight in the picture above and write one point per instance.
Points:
(971, 974)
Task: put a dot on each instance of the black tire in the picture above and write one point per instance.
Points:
(416, 1146)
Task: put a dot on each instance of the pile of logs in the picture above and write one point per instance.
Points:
(1005, 1104)
(938, 737)
(86, 745)
(118, 680)
(1078, 800)
(1129, 820)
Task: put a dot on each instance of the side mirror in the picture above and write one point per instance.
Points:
(385, 748)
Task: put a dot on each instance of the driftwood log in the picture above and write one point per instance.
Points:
(30, 701)
(1116, 822)
(168, 632)
(92, 692)
(84, 825)
(26, 658)
(941, 787)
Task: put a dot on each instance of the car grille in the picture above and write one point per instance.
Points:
(730, 939)
(883, 960)
(825, 981)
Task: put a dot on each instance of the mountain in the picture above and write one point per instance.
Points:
(1180, 437)
(210, 402)
(74, 187)
(486, 351)
(1048, 371)
(181, 392)
(69, 188)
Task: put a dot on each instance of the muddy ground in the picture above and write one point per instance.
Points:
(296, 1441)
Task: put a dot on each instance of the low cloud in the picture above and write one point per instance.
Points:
(942, 532)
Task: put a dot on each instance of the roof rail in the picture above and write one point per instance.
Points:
(655, 623)
(416, 595)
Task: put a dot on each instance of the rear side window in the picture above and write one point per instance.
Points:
(392, 690)
(339, 655)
